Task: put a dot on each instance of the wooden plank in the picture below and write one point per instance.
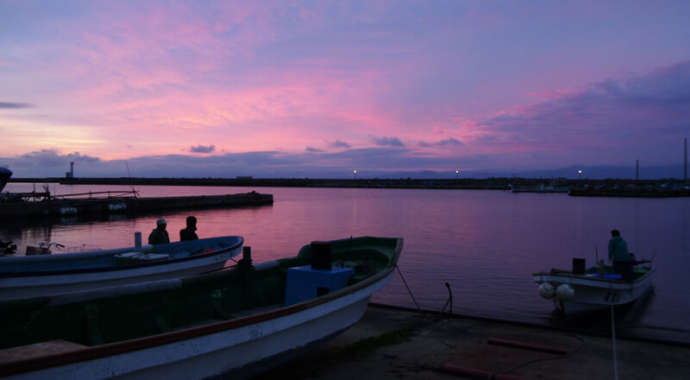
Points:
(10, 355)
(527, 346)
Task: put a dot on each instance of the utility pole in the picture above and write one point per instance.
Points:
(685, 170)
(637, 169)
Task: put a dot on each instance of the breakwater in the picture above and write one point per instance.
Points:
(386, 183)
(669, 187)
(14, 208)
(631, 191)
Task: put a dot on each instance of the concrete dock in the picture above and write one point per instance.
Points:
(83, 207)
(390, 343)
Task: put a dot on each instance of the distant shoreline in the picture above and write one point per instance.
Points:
(483, 184)
(582, 187)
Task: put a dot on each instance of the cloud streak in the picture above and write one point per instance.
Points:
(202, 149)
(449, 142)
(14, 105)
(388, 141)
(339, 144)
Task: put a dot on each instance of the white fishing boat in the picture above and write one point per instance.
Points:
(53, 274)
(595, 288)
(232, 323)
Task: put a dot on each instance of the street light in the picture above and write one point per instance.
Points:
(457, 173)
(354, 174)
(579, 173)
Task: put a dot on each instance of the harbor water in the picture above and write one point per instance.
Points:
(485, 244)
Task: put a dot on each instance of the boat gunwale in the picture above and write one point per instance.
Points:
(594, 282)
(96, 352)
(123, 266)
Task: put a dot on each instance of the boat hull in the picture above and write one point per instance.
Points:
(228, 350)
(594, 294)
(64, 279)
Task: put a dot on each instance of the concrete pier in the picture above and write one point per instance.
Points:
(126, 205)
(391, 343)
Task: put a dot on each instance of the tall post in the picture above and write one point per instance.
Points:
(637, 169)
(137, 239)
(685, 170)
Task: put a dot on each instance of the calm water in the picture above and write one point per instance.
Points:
(485, 244)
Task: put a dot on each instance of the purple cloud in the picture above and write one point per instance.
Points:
(202, 149)
(449, 142)
(613, 121)
(388, 162)
(339, 144)
(387, 141)
(14, 105)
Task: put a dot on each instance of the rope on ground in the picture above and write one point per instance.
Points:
(613, 340)
(449, 302)
(408, 288)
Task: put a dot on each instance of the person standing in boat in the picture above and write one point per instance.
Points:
(189, 233)
(618, 253)
(159, 235)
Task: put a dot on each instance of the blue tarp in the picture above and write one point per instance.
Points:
(304, 282)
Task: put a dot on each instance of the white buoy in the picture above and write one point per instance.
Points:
(565, 292)
(546, 290)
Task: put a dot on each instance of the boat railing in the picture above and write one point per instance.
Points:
(109, 194)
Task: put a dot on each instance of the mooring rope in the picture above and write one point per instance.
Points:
(408, 288)
(449, 301)
(613, 339)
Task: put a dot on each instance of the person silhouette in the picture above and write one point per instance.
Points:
(159, 235)
(618, 253)
(189, 233)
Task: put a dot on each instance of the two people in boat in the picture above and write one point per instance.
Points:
(623, 260)
(159, 235)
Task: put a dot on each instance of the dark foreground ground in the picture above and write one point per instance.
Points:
(397, 344)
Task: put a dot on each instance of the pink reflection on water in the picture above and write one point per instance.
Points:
(486, 244)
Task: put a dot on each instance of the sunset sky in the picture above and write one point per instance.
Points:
(319, 88)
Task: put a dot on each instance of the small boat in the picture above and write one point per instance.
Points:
(233, 322)
(52, 274)
(594, 288)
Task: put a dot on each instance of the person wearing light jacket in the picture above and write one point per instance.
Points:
(618, 253)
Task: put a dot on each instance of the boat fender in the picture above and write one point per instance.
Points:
(546, 290)
(565, 292)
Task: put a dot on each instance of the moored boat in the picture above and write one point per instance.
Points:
(200, 327)
(53, 274)
(595, 288)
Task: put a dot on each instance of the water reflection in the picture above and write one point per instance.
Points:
(486, 244)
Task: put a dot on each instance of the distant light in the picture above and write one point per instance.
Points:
(579, 171)
(457, 172)
(354, 171)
